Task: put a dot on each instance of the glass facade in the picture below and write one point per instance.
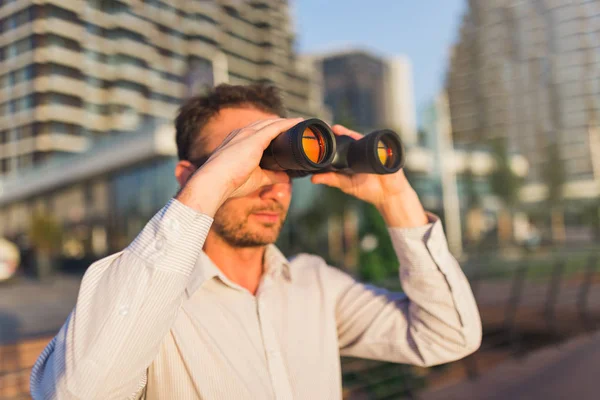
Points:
(136, 195)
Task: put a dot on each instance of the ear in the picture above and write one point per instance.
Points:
(183, 171)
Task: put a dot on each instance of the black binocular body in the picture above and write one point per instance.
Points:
(311, 147)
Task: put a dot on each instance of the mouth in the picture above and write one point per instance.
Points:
(268, 217)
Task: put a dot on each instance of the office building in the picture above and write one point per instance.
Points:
(369, 91)
(72, 71)
(528, 71)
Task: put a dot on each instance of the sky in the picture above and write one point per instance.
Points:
(423, 30)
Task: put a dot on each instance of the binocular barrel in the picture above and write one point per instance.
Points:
(308, 146)
(311, 147)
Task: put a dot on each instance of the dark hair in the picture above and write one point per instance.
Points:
(195, 113)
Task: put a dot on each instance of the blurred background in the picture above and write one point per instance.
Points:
(496, 101)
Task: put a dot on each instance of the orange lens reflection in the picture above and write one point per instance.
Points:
(313, 145)
(385, 153)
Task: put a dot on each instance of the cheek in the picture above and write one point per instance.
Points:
(232, 209)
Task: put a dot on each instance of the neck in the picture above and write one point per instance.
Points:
(242, 265)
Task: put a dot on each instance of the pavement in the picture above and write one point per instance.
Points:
(29, 308)
(565, 371)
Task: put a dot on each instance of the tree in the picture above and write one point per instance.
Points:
(505, 184)
(554, 176)
(46, 236)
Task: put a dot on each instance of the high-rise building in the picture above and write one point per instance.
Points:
(72, 71)
(528, 71)
(369, 91)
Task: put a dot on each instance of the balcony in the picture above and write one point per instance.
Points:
(62, 28)
(61, 113)
(201, 49)
(60, 84)
(19, 33)
(243, 67)
(61, 142)
(19, 90)
(207, 8)
(132, 73)
(23, 117)
(13, 8)
(162, 109)
(134, 24)
(77, 6)
(203, 28)
(59, 55)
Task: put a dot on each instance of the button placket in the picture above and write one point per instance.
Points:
(279, 378)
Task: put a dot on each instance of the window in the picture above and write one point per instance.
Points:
(55, 40)
(108, 6)
(53, 11)
(94, 55)
(127, 59)
(18, 47)
(99, 83)
(169, 76)
(100, 109)
(130, 85)
(120, 33)
(16, 20)
(169, 31)
(62, 70)
(201, 17)
(64, 99)
(67, 129)
(95, 29)
(165, 98)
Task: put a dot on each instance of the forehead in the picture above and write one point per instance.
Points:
(223, 123)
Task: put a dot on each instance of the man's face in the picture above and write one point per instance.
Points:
(256, 219)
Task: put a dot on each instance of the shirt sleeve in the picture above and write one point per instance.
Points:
(126, 305)
(434, 321)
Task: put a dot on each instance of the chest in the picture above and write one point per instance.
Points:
(278, 344)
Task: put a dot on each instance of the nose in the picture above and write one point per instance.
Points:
(277, 191)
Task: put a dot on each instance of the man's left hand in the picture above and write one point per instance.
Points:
(389, 192)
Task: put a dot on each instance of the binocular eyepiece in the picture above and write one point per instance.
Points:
(312, 147)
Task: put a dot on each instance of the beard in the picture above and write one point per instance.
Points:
(236, 229)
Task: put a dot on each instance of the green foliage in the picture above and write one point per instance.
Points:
(382, 262)
(472, 197)
(503, 181)
(45, 233)
(554, 174)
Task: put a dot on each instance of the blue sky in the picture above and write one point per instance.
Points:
(423, 30)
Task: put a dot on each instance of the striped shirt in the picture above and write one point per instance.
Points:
(160, 321)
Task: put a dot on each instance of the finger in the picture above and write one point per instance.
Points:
(263, 122)
(332, 179)
(272, 130)
(249, 130)
(342, 130)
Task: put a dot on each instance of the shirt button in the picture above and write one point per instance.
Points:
(173, 225)
(159, 244)
(123, 310)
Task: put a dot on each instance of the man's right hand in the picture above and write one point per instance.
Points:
(233, 168)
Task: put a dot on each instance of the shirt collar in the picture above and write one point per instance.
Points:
(274, 261)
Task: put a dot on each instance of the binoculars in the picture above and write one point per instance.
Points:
(311, 147)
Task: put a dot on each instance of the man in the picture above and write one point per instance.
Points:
(202, 305)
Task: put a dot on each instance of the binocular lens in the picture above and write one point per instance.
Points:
(385, 153)
(313, 145)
